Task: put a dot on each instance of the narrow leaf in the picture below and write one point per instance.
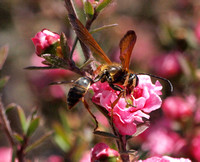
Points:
(105, 134)
(33, 126)
(102, 5)
(65, 47)
(88, 8)
(40, 67)
(38, 142)
(18, 137)
(10, 107)
(14, 149)
(3, 55)
(3, 82)
(22, 119)
(63, 118)
(102, 28)
(59, 130)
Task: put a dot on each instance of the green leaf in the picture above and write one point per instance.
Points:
(61, 143)
(14, 150)
(38, 142)
(10, 107)
(88, 8)
(102, 28)
(65, 47)
(3, 55)
(59, 130)
(33, 126)
(102, 5)
(55, 61)
(22, 119)
(18, 137)
(63, 118)
(3, 81)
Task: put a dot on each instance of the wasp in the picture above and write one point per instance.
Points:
(118, 76)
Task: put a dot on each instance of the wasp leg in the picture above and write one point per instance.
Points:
(88, 109)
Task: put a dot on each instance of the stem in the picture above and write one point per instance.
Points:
(121, 144)
(21, 150)
(6, 125)
(71, 10)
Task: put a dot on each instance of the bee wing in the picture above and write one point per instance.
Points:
(126, 46)
(85, 37)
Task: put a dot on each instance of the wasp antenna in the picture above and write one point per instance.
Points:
(170, 84)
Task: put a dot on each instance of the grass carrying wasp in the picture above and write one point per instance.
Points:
(118, 76)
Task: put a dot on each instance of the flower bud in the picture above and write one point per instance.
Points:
(101, 152)
(44, 40)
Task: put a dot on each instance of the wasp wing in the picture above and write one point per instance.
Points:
(85, 37)
(126, 46)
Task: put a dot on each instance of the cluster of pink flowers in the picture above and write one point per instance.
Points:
(159, 139)
(146, 98)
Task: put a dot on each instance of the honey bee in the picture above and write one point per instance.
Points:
(118, 76)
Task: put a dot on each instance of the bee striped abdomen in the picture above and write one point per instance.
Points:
(78, 91)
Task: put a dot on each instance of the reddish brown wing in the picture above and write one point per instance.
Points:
(126, 46)
(85, 37)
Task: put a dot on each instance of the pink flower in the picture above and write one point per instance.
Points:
(102, 151)
(195, 149)
(197, 31)
(176, 107)
(55, 158)
(145, 98)
(167, 65)
(165, 159)
(43, 40)
(86, 157)
(6, 154)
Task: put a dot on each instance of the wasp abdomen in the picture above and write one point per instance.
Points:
(78, 91)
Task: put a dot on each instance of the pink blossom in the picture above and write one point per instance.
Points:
(101, 151)
(145, 99)
(176, 107)
(159, 139)
(165, 159)
(55, 158)
(6, 154)
(167, 65)
(195, 149)
(86, 157)
(197, 31)
(43, 40)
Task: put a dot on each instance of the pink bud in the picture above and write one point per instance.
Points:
(43, 40)
(102, 151)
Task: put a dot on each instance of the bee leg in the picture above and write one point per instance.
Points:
(88, 109)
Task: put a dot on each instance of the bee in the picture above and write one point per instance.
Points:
(118, 76)
(78, 91)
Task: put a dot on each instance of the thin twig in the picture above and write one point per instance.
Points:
(6, 124)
